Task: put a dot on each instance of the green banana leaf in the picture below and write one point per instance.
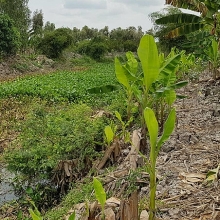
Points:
(152, 126)
(121, 72)
(148, 54)
(168, 129)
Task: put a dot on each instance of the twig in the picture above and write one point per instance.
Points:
(187, 169)
(172, 198)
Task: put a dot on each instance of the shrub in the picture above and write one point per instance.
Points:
(130, 45)
(48, 137)
(95, 48)
(9, 36)
(53, 43)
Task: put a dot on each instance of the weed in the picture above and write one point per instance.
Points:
(49, 137)
(21, 67)
(78, 194)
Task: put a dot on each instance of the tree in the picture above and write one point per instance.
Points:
(104, 31)
(37, 22)
(49, 27)
(76, 34)
(36, 31)
(19, 12)
(95, 48)
(88, 33)
(53, 43)
(125, 39)
(9, 36)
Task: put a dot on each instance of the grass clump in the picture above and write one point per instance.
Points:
(49, 136)
(78, 194)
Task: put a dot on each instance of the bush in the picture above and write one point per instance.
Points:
(9, 36)
(83, 61)
(48, 137)
(130, 45)
(53, 43)
(95, 48)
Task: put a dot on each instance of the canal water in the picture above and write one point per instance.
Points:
(7, 192)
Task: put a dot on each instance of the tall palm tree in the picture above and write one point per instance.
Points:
(186, 23)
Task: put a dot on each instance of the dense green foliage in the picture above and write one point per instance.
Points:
(95, 48)
(56, 131)
(53, 43)
(19, 12)
(65, 131)
(66, 86)
(77, 195)
(47, 137)
(9, 36)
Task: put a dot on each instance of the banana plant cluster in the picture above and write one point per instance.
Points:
(152, 81)
(187, 62)
(153, 88)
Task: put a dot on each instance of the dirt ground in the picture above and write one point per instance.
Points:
(192, 151)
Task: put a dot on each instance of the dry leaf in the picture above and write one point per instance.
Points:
(192, 177)
(144, 215)
(98, 114)
(80, 206)
(109, 214)
(113, 200)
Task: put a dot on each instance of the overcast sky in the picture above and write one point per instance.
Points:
(98, 13)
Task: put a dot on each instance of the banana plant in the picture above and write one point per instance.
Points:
(187, 61)
(154, 86)
(35, 214)
(127, 75)
(125, 134)
(155, 82)
(109, 134)
(187, 23)
(213, 55)
(100, 195)
(164, 91)
(155, 146)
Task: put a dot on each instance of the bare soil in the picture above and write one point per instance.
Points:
(191, 152)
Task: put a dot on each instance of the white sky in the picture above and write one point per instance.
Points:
(98, 13)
